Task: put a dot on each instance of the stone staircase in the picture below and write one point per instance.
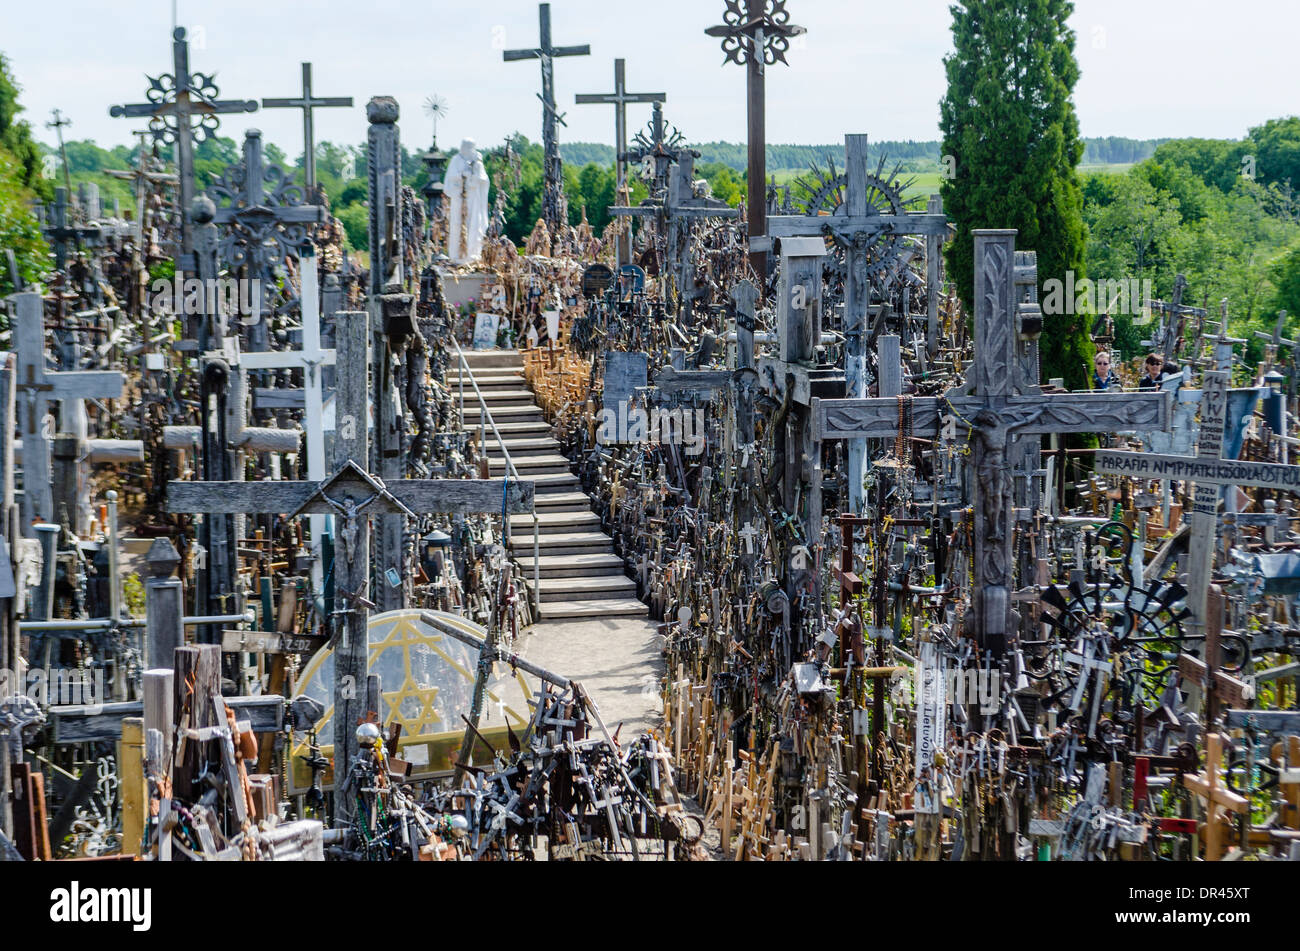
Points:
(580, 576)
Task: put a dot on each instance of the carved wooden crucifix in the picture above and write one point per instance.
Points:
(1000, 399)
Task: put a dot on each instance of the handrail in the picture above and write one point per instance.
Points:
(485, 420)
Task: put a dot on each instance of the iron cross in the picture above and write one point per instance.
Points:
(552, 199)
(175, 101)
(307, 103)
(756, 34)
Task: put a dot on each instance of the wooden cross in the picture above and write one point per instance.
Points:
(756, 34)
(310, 359)
(619, 98)
(552, 198)
(857, 229)
(60, 233)
(1000, 400)
(308, 103)
(352, 496)
(176, 100)
(1167, 340)
(1218, 799)
(1275, 343)
(38, 387)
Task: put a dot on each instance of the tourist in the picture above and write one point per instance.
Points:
(1153, 366)
(1103, 377)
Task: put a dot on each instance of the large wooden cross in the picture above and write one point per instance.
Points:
(857, 228)
(619, 99)
(37, 386)
(553, 173)
(999, 401)
(308, 103)
(756, 34)
(352, 496)
(176, 100)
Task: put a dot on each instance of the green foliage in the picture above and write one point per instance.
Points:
(356, 224)
(1286, 281)
(16, 136)
(1215, 162)
(1009, 122)
(18, 228)
(724, 182)
(1277, 146)
(133, 595)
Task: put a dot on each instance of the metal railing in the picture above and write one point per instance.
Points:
(486, 421)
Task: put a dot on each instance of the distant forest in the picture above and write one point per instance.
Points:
(1109, 150)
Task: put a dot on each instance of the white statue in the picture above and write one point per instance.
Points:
(466, 187)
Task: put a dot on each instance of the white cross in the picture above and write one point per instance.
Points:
(309, 359)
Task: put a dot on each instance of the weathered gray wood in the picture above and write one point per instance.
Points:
(308, 104)
(91, 723)
(288, 397)
(164, 606)
(625, 372)
(889, 364)
(10, 596)
(1144, 465)
(1062, 413)
(672, 382)
(197, 680)
(1205, 501)
(157, 706)
(421, 496)
(784, 226)
(933, 279)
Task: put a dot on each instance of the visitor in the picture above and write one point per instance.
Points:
(1153, 366)
(1103, 377)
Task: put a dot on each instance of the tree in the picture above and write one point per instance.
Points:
(16, 136)
(1277, 144)
(1009, 123)
(19, 231)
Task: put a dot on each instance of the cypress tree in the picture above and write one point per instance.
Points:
(1009, 125)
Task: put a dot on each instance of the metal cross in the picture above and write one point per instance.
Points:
(307, 103)
(756, 34)
(176, 100)
(59, 232)
(552, 199)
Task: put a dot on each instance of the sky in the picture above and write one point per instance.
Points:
(1150, 68)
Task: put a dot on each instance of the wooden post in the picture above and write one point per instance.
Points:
(9, 637)
(164, 597)
(197, 681)
(135, 791)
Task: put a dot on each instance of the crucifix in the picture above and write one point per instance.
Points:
(353, 496)
(1167, 338)
(307, 103)
(146, 175)
(858, 229)
(756, 34)
(38, 386)
(553, 175)
(60, 232)
(1000, 400)
(619, 98)
(58, 124)
(182, 111)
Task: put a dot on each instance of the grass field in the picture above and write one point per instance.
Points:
(926, 183)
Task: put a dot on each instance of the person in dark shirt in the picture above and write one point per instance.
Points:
(1103, 377)
(1154, 366)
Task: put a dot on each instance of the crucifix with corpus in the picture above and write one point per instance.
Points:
(353, 496)
(1001, 399)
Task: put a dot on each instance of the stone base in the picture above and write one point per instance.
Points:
(460, 287)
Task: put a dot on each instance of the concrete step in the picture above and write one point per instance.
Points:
(558, 482)
(569, 566)
(523, 413)
(493, 359)
(527, 446)
(572, 610)
(598, 588)
(487, 375)
(561, 502)
(563, 543)
(531, 464)
(494, 398)
(521, 427)
(555, 523)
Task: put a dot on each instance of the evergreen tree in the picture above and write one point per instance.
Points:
(1009, 123)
